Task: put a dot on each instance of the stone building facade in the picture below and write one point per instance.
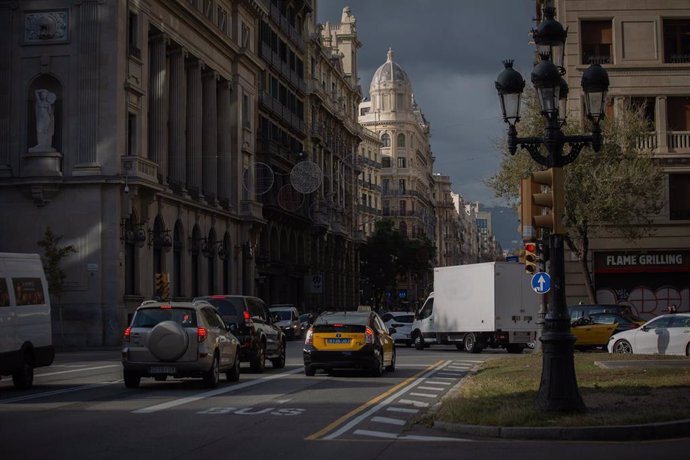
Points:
(369, 183)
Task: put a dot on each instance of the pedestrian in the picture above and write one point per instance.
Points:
(672, 308)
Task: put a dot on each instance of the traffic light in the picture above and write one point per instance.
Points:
(162, 285)
(542, 203)
(531, 258)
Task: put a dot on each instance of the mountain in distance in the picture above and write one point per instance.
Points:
(505, 221)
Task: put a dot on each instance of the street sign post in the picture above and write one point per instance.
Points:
(541, 282)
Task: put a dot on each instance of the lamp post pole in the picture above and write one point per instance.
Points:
(558, 391)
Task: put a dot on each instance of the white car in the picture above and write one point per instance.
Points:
(663, 335)
(401, 321)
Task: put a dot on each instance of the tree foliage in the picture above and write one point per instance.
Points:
(53, 254)
(614, 192)
(388, 255)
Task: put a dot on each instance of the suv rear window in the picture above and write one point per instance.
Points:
(149, 317)
(230, 309)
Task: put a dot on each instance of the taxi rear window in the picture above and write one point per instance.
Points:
(149, 317)
(351, 328)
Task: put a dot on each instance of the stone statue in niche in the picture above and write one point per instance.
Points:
(45, 121)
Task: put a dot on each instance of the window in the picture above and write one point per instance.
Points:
(364, 111)
(678, 113)
(402, 162)
(646, 105)
(208, 9)
(386, 139)
(386, 185)
(677, 41)
(222, 20)
(401, 140)
(427, 310)
(401, 185)
(596, 42)
(386, 162)
(246, 35)
(399, 101)
(246, 122)
(403, 207)
(28, 291)
(679, 196)
(131, 134)
(133, 35)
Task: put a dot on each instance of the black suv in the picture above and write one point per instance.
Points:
(259, 337)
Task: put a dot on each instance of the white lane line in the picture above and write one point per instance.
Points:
(354, 422)
(460, 374)
(423, 395)
(56, 392)
(78, 370)
(430, 382)
(414, 403)
(383, 434)
(388, 420)
(459, 368)
(431, 388)
(220, 391)
(443, 378)
(403, 410)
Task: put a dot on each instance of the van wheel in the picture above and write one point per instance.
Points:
(419, 341)
(131, 379)
(23, 378)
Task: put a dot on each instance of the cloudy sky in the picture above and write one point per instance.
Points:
(452, 52)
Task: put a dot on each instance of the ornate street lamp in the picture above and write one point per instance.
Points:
(558, 390)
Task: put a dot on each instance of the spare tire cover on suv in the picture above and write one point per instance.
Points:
(168, 341)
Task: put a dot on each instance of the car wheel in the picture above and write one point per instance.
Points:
(212, 376)
(279, 362)
(622, 346)
(419, 341)
(309, 371)
(687, 350)
(258, 361)
(391, 367)
(377, 369)
(132, 380)
(23, 378)
(233, 375)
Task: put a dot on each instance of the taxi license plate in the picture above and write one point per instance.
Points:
(162, 370)
(337, 341)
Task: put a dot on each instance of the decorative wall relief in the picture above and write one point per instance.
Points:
(46, 26)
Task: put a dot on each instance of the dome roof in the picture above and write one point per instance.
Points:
(390, 71)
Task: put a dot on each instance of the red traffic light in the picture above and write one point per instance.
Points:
(531, 247)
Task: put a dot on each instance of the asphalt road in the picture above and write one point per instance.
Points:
(80, 409)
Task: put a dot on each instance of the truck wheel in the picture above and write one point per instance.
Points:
(514, 348)
(470, 342)
(419, 341)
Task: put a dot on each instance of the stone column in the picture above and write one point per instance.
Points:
(661, 124)
(158, 104)
(194, 126)
(209, 146)
(178, 119)
(88, 85)
(225, 178)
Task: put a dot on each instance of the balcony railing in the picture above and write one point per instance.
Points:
(647, 141)
(679, 140)
(134, 166)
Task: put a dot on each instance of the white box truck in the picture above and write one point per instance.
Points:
(26, 338)
(477, 306)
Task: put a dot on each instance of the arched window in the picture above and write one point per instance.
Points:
(401, 140)
(195, 249)
(386, 139)
(226, 263)
(178, 237)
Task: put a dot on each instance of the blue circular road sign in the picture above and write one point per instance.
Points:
(541, 283)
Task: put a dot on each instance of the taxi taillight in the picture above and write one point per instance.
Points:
(369, 336)
(127, 334)
(309, 339)
(201, 334)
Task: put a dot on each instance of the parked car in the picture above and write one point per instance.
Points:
(663, 335)
(401, 321)
(626, 311)
(590, 335)
(287, 319)
(260, 339)
(622, 323)
(179, 339)
(349, 340)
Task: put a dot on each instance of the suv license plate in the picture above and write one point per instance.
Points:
(162, 370)
(337, 340)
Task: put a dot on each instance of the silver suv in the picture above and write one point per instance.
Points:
(179, 339)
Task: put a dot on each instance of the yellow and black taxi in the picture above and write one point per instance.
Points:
(349, 339)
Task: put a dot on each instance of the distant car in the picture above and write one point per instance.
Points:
(287, 319)
(349, 340)
(590, 335)
(401, 321)
(259, 338)
(663, 335)
(626, 311)
(179, 339)
(622, 323)
(305, 320)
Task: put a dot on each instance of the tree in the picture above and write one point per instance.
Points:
(52, 258)
(616, 191)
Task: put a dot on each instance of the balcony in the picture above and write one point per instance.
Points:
(676, 142)
(141, 168)
(679, 141)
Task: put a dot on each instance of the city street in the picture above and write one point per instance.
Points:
(79, 408)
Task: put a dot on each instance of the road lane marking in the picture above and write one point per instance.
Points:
(78, 370)
(383, 434)
(414, 403)
(57, 392)
(220, 391)
(388, 420)
(443, 378)
(404, 385)
(431, 388)
(437, 383)
(404, 410)
(423, 395)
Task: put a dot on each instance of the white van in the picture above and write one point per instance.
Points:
(26, 338)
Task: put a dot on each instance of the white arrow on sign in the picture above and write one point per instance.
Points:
(541, 281)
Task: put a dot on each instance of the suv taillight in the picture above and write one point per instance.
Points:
(127, 334)
(247, 317)
(201, 334)
(309, 339)
(369, 336)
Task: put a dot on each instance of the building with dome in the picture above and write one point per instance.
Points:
(406, 157)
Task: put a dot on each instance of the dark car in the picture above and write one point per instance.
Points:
(259, 337)
(179, 339)
(349, 340)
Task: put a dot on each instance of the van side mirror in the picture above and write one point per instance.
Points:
(392, 330)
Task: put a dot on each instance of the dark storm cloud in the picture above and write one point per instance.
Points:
(452, 52)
